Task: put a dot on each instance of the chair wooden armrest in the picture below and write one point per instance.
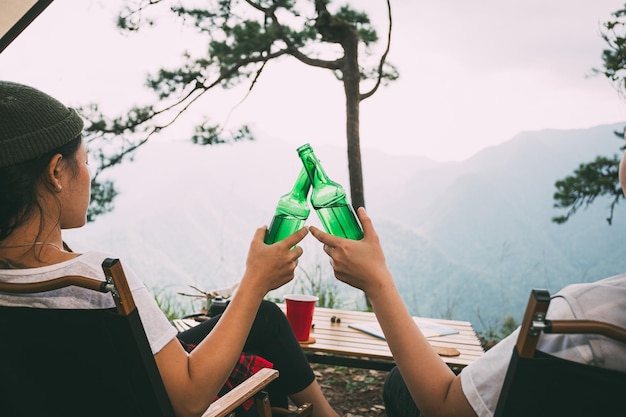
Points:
(55, 284)
(238, 395)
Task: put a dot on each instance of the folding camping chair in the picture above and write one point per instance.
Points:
(538, 384)
(56, 362)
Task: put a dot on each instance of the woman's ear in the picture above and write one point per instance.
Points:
(54, 172)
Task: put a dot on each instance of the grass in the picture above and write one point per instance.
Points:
(171, 303)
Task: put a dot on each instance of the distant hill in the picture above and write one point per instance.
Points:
(486, 223)
(466, 240)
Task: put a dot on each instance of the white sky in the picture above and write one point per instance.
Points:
(473, 74)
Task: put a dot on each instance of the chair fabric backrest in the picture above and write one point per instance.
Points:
(56, 362)
(549, 386)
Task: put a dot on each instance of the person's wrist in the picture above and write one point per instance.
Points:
(382, 289)
(251, 286)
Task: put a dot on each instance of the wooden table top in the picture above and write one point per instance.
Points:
(337, 338)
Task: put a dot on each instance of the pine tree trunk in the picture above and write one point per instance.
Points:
(351, 81)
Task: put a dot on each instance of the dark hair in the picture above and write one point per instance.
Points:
(18, 187)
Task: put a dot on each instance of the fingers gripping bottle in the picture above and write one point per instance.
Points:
(329, 199)
(292, 211)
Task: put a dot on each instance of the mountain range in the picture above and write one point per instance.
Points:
(464, 240)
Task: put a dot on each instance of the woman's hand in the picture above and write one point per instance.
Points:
(359, 263)
(271, 266)
(193, 380)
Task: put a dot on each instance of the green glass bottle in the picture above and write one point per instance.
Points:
(291, 212)
(329, 199)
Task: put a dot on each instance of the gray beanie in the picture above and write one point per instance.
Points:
(32, 123)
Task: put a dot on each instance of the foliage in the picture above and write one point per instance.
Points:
(102, 195)
(493, 334)
(614, 58)
(242, 37)
(170, 304)
(589, 181)
(599, 178)
(315, 284)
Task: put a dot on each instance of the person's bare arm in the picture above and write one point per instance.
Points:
(434, 387)
(193, 380)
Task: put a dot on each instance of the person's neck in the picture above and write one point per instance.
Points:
(25, 248)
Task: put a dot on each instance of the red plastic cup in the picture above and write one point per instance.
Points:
(300, 309)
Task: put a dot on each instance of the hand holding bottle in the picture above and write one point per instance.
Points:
(359, 263)
(271, 266)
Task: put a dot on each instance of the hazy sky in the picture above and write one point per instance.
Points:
(473, 74)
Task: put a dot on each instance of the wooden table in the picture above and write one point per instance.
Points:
(338, 344)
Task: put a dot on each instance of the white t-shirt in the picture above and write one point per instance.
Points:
(604, 300)
(157, 327)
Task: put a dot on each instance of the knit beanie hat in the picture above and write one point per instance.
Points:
(32, 123)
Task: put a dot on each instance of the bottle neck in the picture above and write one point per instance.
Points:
(312, 165)
(302, 186)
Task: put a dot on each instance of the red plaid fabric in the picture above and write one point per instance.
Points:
(246, 366)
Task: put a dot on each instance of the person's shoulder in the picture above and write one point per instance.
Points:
(618, 281)
(600, 300)
(97, 258)
(614, 283)
(93, 257)
(92, 254)
(93, 260)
